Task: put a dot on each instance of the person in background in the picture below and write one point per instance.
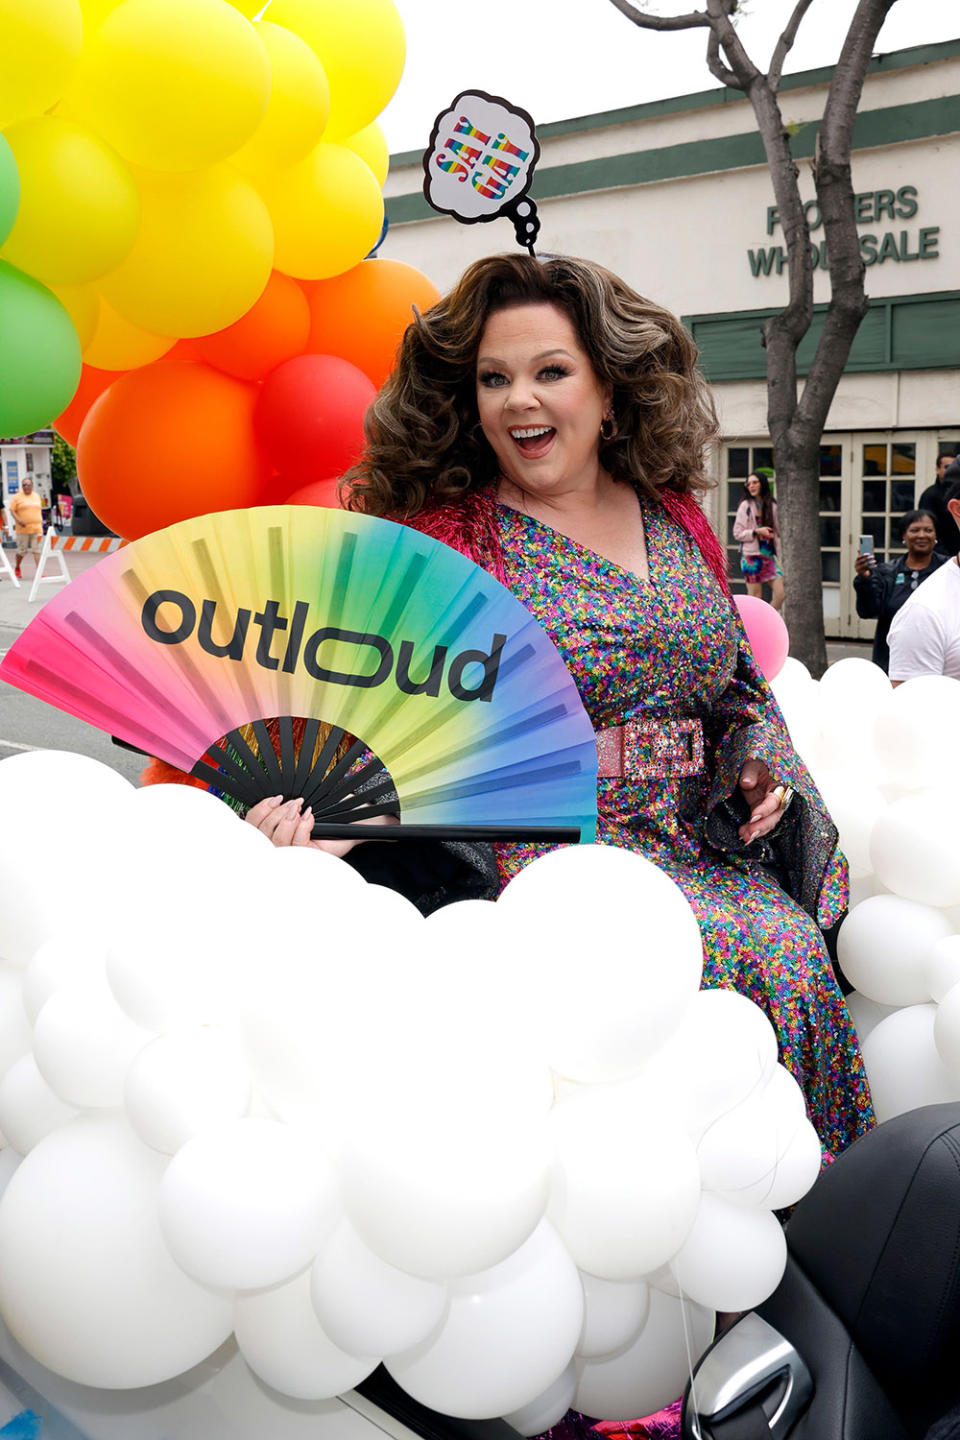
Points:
(883, 589)
(925, 634)
(757, 529)
(934, 499)
(25, 507)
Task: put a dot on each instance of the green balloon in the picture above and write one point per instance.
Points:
(9, 189)
(39, 354)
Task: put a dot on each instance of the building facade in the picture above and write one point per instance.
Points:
(26, 457)
(675, 196)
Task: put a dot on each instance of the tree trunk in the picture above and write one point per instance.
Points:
(798, 505)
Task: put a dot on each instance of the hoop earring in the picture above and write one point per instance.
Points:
(607, 428)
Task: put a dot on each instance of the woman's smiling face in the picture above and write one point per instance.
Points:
(539, 400)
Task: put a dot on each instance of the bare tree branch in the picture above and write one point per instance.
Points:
(661, 22)
(785, 43)
(715, 63)
(719, 12)
(833, 178)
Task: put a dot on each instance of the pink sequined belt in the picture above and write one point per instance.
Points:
(650, 749)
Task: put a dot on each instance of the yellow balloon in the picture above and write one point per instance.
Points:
(362, 47)
(327, 213)
(40, 44)
(298, 107)
(94, 14)
(79, 207)
(202, 257)
(370, 144)
(118, 345)
(172, 84)
(82, 304)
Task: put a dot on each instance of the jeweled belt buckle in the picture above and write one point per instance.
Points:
(656, 748)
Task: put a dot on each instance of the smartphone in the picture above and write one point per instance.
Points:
(866, 545)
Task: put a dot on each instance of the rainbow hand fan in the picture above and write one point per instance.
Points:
(463, 713)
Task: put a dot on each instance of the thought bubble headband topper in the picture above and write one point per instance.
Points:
(480, 162)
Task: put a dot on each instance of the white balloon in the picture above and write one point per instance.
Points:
(9, 1163)
(542, 1413)
(63, 962)
(903, 1065)
(614, 1314)
(797, 694)
(248, 1204)
(913, 848)
(437, 1198)
(620, 1231)
(652, 1371)
(739, 1152)
(733, 1258)
(366, 1306)
(282, 1341)
(29, 1109)
(33, 785)
(910, 727)
(946, 1031)
(866, 1014)
(855, 806)
(850, 688)
(171, 965)
(862, 887)
(797, 1169)
(84, 1045)
(942, 967)
(508, 1335)
(184, 1082)
(613, 950)
(883, 945)
(857, 684)
(87, 1285)
(725, 1050)
(15, 1033)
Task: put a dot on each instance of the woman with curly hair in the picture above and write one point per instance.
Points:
(550, 423)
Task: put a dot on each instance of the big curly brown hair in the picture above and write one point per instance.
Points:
(424, 444)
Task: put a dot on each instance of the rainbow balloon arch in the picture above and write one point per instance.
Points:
(187, 198)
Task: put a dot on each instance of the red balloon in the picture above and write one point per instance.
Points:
(92, 385)
(166, 442)
(274, 329)
(309, 417)
(321, 492)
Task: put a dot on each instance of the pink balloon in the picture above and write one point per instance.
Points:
(766, 632)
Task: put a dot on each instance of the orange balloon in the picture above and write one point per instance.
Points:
(167, 442)
(361, 315)
(274, 329)
(92, 385)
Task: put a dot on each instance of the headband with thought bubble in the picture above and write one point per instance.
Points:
(480, 162)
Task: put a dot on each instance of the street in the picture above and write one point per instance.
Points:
(30, 724)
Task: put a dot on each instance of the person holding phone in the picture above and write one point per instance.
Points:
(882, 589)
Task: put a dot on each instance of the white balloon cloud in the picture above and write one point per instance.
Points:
(271, 1100)
(878, 755)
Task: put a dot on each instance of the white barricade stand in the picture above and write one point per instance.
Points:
(5, 532)
(53, 547)
(6, 568)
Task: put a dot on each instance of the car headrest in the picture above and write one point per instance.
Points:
(879, 1237)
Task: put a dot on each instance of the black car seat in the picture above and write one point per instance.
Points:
(861, 1340)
